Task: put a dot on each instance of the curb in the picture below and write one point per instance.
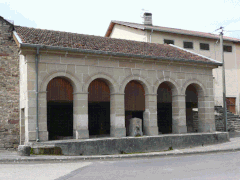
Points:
(110, 157)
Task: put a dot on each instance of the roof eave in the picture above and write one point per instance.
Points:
(149, 28)
(110, 28)
(99, 52)
(17, 38)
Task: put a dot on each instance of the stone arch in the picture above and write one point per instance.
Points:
(73, 80)
(103, 76)
(75, 83)
(197, 84)
(166, 103)
(173, 85)
(196, 120)
(139, 79)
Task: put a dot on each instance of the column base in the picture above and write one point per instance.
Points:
(150, 131)
(81, 134)
(117, 132)
(206, 127)
(43, 136)
(179, 129)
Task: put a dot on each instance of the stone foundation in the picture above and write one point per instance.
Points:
(105, 146)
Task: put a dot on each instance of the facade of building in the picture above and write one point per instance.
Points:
(90, 86)
(206, 44)
(9, 87)
(59, 85)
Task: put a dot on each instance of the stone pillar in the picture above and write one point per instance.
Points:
(22, 126)
(206, 117)
(117, 115)
(150, 127)
(42, 116)
(80, 116)
(31, 117)
(179, 114)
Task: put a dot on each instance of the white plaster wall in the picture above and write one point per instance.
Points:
(22, 81)
(23, 96)
(123, 32)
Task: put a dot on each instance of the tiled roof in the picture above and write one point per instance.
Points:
(104, 44)
(167, 29)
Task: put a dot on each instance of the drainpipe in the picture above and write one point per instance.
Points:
(36, 64)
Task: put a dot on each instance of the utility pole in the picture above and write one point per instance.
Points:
(223, 81)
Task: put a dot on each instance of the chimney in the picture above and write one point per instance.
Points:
(147, 17)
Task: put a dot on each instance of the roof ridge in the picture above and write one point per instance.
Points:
(56, 31)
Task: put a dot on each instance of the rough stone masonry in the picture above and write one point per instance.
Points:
(9, 87)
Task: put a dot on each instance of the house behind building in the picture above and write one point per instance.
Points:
(206, 44)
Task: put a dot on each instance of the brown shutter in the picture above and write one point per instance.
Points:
(59, 89)
(231, 101)
(164, 94)
(98, 91)
(134, 97)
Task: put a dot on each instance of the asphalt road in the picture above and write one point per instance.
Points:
(206, 166)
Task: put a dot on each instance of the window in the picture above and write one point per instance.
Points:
(204, 46)
(167, 41)
(188, 45)
(227, 48)
(231, 104)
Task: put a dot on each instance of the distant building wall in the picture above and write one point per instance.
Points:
(123, 32)
(232, 59)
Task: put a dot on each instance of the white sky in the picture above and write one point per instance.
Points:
(93, 16)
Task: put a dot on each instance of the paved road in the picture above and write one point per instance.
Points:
(206, 166)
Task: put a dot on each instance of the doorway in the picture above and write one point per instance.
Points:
(134, 102)
(99, 109)
(164, 108)
(60, 109)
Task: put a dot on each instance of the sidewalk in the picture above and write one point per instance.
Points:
(12, 157)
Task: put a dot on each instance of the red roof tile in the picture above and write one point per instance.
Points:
(104, 44)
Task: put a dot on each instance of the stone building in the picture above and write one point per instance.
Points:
(206, 44)
(81, 86)
(9, 87)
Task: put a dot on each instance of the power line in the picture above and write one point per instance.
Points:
(231, 30)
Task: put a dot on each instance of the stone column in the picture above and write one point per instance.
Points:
(80, 116)
(179, 114)
(42, 116)
(150, 127)
(22, 126)
(206, 118)
(117, 115)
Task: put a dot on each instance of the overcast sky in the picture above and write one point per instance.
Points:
(93, 16)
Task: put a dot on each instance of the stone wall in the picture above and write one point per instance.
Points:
(107, 146)
(233, 121)
(9, 87)
(81, 69)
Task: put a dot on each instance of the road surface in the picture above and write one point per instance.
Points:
(206, 166)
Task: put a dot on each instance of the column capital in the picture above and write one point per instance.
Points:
(80, 93)
(42, 92)
(117, 94)
(151, 94)
(179, 95)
